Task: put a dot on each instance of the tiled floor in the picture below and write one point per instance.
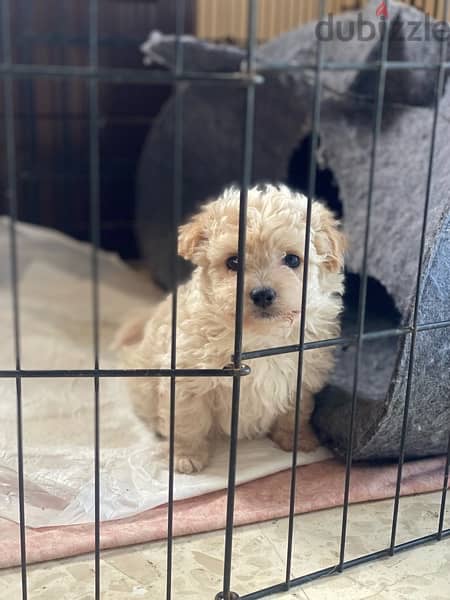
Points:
(259, 557)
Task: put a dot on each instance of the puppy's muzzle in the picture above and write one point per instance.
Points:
(263, 297)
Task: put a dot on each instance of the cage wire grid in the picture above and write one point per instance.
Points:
(249, 79)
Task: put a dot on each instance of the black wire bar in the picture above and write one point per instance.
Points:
(336, 569)
(343, 341)
(444, 494)
(376, 129)
(94, 177)
(304, 301)
(11, 173)
(247, 158)
(440, 87)
(176, 218)
(122, 75)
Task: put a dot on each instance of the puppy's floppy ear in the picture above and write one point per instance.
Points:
(192, 237)
(329, 240)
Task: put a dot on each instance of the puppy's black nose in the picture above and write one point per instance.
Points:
(263, 296)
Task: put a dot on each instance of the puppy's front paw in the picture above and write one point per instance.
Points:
(189, 463)
(191, 458)
(284, 438)
(308, 441)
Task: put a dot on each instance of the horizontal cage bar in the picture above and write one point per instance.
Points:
(122, 75)
(64, 373)
(344, 341)
(327, 572)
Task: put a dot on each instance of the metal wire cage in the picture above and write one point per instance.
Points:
(94, 74)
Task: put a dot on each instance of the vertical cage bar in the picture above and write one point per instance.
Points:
(176, 217)
(245, 183)
(378, 116)
(444, 493)
(32, 200)
(94, 173)
(11, 168)
(67, 214)
(440, 87)
(298, 392)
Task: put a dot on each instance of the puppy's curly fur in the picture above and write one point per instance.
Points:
(206, 317)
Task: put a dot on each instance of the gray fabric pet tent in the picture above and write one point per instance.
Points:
(212, 159)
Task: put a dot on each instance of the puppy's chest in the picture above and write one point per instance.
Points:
(266, 393)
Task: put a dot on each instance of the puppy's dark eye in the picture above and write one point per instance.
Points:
(292, 261)
(232, 263)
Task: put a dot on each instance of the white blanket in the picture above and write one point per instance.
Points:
(58, 414)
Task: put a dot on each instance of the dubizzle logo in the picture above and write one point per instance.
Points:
(366, 29)
(382, 10)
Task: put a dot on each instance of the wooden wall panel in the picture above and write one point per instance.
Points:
(52, 120)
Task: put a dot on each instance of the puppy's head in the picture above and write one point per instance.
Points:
(274, 262)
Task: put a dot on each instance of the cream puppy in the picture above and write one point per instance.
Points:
(206, 317)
